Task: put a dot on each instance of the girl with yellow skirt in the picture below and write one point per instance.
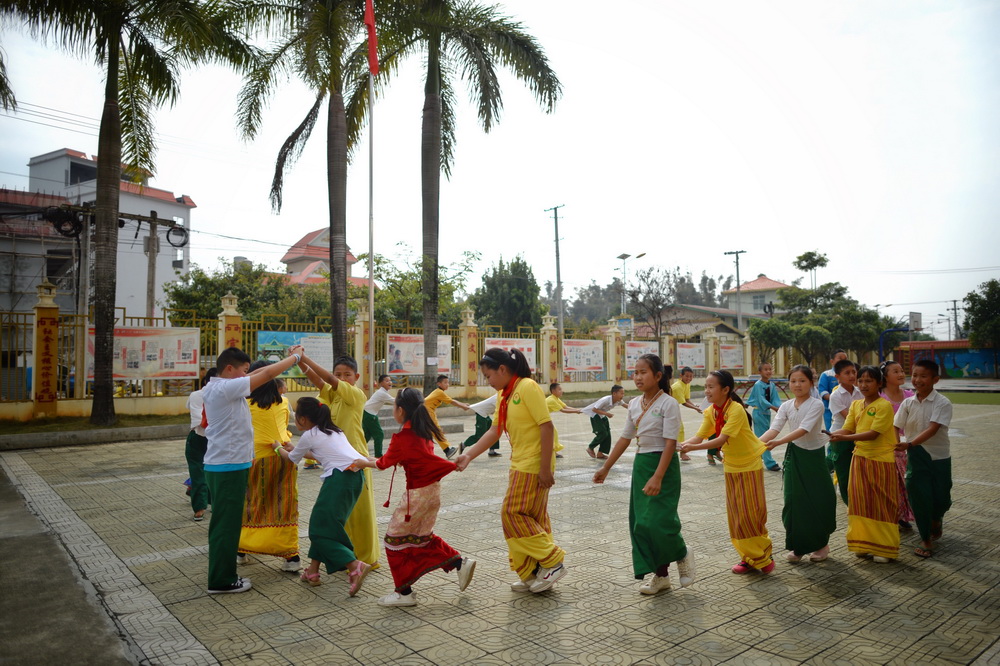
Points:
(271, 513)
(746, 506)
(522, 413)
(873, 492)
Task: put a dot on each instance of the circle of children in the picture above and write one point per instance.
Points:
(888, 451)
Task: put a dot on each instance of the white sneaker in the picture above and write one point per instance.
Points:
(655, 584)
(465, 573)
(882, 560)
(546, 578)
(685, 569)
(397, 599)
(522, 585)
(241, 559)
(291, 565)
(241, 585)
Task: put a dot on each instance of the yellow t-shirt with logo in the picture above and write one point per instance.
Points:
(347, 404)
(741, 452)
(878, 417)
(554, 405)
(681, 392)
(526, 411)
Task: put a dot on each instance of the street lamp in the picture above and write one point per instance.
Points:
(947, 319)
(623, 257)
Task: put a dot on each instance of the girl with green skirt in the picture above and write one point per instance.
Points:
(655, 528)
(810, 511)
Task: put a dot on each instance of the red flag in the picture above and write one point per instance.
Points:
(372, 39)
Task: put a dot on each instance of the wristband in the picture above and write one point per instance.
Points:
(298, 358)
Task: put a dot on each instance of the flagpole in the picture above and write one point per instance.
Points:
(371, 231)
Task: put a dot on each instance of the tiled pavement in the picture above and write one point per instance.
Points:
(120, 511)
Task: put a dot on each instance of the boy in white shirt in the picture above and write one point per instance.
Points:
(599, 413)
(228, 459)
(923, 420)
(194, 450)
(369, 419)
(841, 398)
(484, 421)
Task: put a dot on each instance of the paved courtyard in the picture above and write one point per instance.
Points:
(121, 512)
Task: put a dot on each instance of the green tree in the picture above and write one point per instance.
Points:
(810, 341)
(472, 41)
(707, 291)
(595, 303)
(509, 296)
(653, 291)
(316, 45)
(810, 262)
(141, 47)
(982, 315)
(770, 335)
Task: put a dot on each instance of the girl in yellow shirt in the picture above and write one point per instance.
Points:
(746, 505)
(872, 491)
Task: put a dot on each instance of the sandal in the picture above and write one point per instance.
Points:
(311, 578)
(920, 551)
(357, 577)
(711, 460)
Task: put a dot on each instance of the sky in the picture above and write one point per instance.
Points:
(865, 129)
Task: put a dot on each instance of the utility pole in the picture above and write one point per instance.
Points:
(153, 245)
(954, 311)
(739, 300)
(559, 292)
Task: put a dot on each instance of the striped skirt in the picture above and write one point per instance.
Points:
(873, 508)
(271, 514)
(526, 526)
(746, 507)
(905, 511)
(411, 546)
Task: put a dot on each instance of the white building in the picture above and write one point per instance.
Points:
(757, 297)
(73, 174)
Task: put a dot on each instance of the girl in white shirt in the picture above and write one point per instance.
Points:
(342, 485)
(654, 420)
(810, 511)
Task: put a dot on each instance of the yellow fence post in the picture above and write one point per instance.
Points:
(231, 325)
(45, 348)
(548, 340)
(668, 354)
(362, 326)
(468, 353)
(614, 364)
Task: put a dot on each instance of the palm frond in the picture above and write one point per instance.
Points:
(291, 149)
(448, 119)
(7, 99)
(155, 69)
(135, 102)
(259, 84)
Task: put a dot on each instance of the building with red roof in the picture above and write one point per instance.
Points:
(307, 261)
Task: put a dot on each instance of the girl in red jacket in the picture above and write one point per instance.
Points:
(410, 543)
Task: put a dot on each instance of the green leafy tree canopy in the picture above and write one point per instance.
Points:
(982, 315)
(509, 296)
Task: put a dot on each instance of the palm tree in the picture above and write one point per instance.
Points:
(141, 46)
(317, 48)
(472, 41)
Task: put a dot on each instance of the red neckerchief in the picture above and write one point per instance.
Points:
(504, 399)
(720, 417)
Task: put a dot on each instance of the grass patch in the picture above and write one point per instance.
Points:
(65, 424)
(973, 398)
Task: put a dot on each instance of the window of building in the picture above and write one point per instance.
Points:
(758, 302)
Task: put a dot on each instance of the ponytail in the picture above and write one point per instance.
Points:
(656, 366)
(316, 413)
(726, 379)
(514, 360)
(412, 404)
(267, 393)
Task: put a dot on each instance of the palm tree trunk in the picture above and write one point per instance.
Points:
(109, 170)
(336, 158)
(430, 176)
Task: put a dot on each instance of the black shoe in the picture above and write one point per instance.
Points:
(241, 585)
(494, 454)
(450, 452)
(776, 468)
(559, 455)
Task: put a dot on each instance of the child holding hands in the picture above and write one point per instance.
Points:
(411, 546)
(654, 526)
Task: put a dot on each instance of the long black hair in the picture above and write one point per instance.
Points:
(806, 371)
(875, 373)
(725, 379)
(514, 359)
(317, 413)
(211, 372)
(655, 366)
(412, 403)
(267, 393)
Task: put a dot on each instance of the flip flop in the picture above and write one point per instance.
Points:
(920, 551)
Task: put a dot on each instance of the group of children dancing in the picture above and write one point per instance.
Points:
(866, 448)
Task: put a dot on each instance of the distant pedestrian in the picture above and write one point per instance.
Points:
(435, 399)
(746, 504)
(411, 546)
(764, 399)
(555, 404)
(599, 413)
(680, 391)
(484, 421)
(369, 420)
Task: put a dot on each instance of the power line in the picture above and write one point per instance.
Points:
(939, 271)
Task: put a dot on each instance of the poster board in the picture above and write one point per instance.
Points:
(151, 353)
(273, 346)
(405, 354)
(526, 345)
(583, 355)
(690, 355)
(731, 357)
(636, 348)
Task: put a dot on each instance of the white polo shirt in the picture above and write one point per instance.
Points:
(808, 416)
(915, 416)
(840, 400)
(379, 399)
(332, 450)
(661, 421)
(230, 429)
(604, 404)
(485, 408)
